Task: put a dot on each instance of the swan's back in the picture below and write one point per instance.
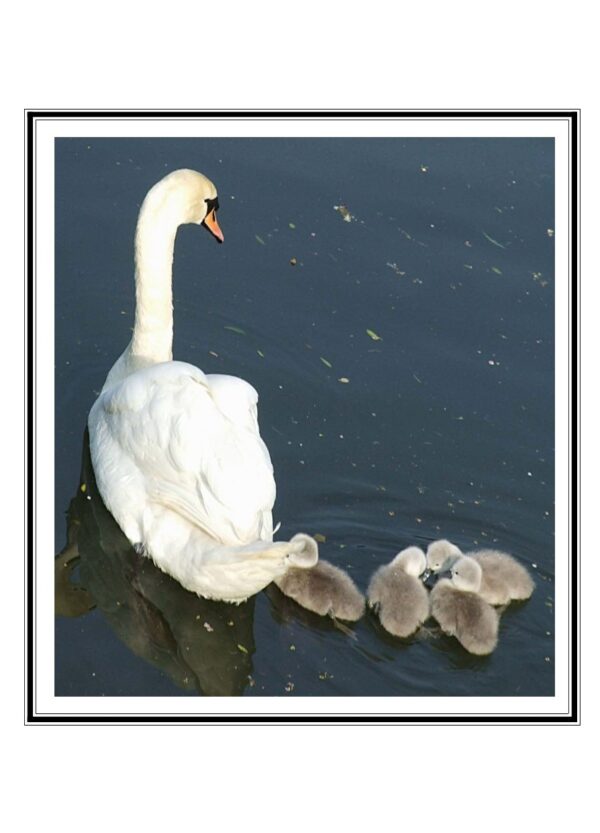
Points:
(160, 437)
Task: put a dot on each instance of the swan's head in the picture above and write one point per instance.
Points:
(411, 560)
(440, 555)
(466, 574)
(185, 196)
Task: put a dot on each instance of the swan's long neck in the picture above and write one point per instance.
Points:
(180, 197)
(152, 340)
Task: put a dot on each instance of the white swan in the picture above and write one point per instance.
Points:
(178, 457)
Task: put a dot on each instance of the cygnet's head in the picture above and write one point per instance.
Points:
(411, 560)
(466, 574)
(184, 196)
(440, 555)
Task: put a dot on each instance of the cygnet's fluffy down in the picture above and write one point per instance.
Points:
(398, 595)
(324, 589)
(461, 612)
(503, 578)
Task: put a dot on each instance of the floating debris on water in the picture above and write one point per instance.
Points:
(292, 225)
(319, 538)
(325, 362)
(394, 267)
(293, 261)
(496, 270)
(232, 328)
(344, 380)
(491, 239)
(550, 232)
(261, 354)
(372, 334)
(289, 686)
(208, 627)
(260, 240)
(83, 488)
(242, 648)
(424, 168)
(345, 212)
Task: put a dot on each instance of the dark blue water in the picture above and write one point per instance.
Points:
(444, 427)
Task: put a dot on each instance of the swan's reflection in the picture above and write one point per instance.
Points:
(203, 646)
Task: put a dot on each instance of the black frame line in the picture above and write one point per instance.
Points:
(573, 116)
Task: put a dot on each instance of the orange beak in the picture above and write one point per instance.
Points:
(210, 222)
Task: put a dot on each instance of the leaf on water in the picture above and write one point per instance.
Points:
(320, 539)
(292, 225)
(325, 362)
(345, 212)
(491, 239)
(242, 648)
(372, 334)
(496, 270)
(234, 329)
(261, 354)
(260, 240)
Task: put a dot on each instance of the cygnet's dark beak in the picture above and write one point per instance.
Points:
(428, 578)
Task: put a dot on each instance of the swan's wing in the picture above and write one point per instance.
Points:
(197, 451)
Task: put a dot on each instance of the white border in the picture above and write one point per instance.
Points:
(387, 708)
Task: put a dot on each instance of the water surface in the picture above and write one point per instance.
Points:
(437, 423)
